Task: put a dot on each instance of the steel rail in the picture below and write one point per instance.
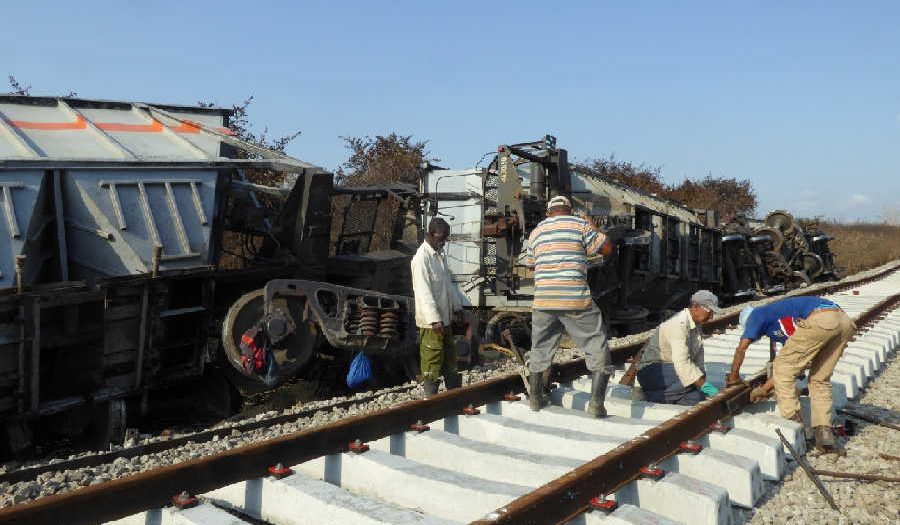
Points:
(569, 495)
(151, 489)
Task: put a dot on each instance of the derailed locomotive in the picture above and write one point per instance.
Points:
(665, 251)
(136, 254)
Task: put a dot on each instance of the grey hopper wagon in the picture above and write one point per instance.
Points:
(664, 250)
(121, 224)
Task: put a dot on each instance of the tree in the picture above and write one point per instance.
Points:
(728, 196)
(18, 87)
(25, 91)
(641, 177)
(382, 160)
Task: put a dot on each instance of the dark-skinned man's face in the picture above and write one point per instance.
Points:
(437, 239)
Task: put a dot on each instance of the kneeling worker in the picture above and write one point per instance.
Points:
(814, 332)
(671, 366)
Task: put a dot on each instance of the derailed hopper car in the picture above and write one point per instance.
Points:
(119, 220)
(665, 251)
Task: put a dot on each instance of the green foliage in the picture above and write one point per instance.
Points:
(728, 196)
(641, 177)
(382, 160)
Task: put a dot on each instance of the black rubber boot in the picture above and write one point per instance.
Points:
(599, 381)
(537, 399)
(430, 387)
(452, 381)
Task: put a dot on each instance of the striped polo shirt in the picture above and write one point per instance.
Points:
(558, 249)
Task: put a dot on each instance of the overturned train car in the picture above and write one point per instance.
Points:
(132, 241)
(665, 250)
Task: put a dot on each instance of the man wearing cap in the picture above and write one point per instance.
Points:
(813, 332)
(558, 249)
(671, 366)
(437, 298)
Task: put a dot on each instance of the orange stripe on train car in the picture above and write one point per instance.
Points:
(155, 127)
(79, 123)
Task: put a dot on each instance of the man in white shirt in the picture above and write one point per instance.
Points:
(438, 298)
(671, 365)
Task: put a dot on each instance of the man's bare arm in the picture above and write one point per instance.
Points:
(737, 361)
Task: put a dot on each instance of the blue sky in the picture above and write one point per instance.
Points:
(803, 98)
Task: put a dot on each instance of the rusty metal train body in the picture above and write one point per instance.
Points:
(665, 251)
(141, 251)
(129, 234)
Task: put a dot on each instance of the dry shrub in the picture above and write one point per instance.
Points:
(862, 245)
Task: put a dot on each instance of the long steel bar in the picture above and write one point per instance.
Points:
(855, 475)
(810, 472)
(869, 418)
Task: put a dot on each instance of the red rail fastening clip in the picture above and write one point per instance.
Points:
(358, 447)
(689, 446)
(471, 411)
(855, 292)
(719, 427)
(418, 426)
(184, 500)
(652, 471)
(603, 505)
(839, 430)
(279, 471)
(512, 397)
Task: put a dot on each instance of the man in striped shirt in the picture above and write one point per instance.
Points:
(558, 249)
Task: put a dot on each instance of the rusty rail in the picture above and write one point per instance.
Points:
(555, 501)
(569, 495)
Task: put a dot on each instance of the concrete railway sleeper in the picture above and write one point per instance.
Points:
(94, 460)
(505, 464)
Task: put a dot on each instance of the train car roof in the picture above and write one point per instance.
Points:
(67, 132)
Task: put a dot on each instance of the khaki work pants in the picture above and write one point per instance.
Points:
(437, 354)
(817, 344)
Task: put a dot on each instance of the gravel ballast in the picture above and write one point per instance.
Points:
(55, 482)
(796, 499)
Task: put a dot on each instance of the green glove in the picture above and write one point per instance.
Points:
(709, 390)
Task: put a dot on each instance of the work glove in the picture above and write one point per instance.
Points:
(759, 393)
(709, 390)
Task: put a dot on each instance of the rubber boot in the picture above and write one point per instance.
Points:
(452, 381)
(596, 407)
(825, 438)
(430, 387)
(537, 399)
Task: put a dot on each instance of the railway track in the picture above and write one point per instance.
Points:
(504, 464)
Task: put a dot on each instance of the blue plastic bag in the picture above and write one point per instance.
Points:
(272, 376)
(360, 371)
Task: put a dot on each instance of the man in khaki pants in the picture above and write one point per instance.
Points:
(814, 332)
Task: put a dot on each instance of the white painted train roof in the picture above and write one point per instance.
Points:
(60, 130)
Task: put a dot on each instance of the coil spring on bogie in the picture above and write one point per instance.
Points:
(390, 324)
(369, 320)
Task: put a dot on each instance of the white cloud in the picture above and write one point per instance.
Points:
(857, 199)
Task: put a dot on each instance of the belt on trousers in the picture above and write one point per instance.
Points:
(829, 309)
